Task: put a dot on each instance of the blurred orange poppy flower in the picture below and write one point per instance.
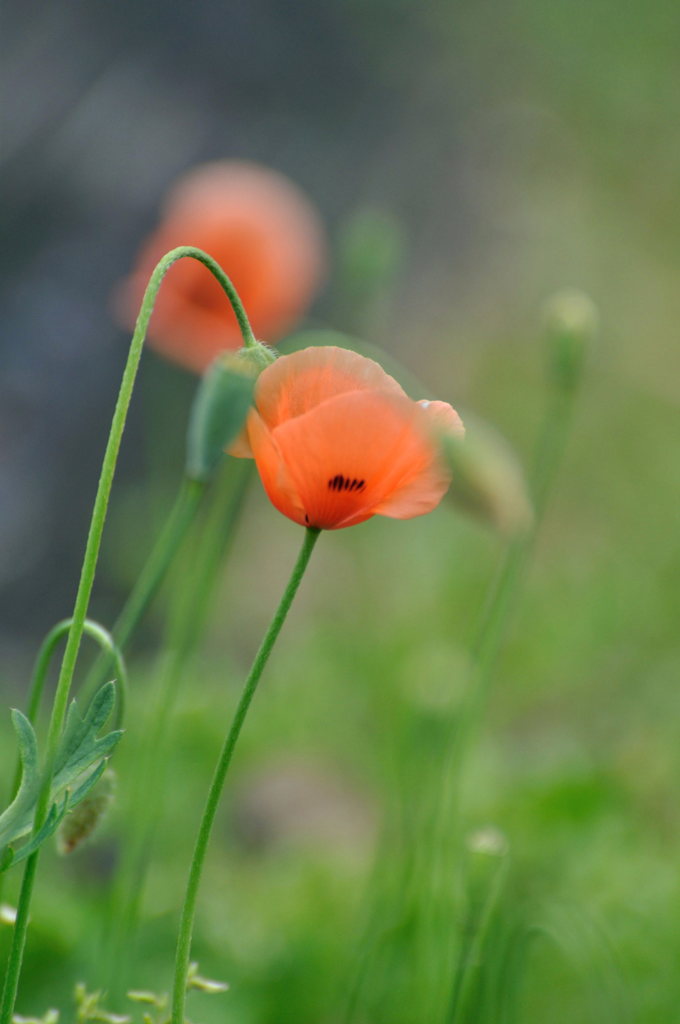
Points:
(336, 440)
(263, 232)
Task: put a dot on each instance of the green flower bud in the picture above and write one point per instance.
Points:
(488, 481)
(571, 322)
(221, 405)
(80, 823)
(8, 914)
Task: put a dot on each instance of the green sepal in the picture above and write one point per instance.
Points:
(219, 411)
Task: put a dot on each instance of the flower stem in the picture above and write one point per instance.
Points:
(497, 612)
(61, 697)
(148, 582)
(491, 631)
(189, 907)
(180, 519)
(187, 617)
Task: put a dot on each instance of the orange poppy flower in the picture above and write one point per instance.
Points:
(263, 232)
(336, 441)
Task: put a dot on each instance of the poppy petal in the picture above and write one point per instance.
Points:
(425, 490)
(273, 471)
(443, 417)
(346, 456)
(418, 495)
(260, 229)
(296, 383)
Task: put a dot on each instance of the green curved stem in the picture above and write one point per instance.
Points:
(186, 622)
(148, 582)
(180, 519)
(86, 582)
(42, 663)
(215, 791)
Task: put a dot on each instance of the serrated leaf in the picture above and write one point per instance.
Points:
(16, 820)
(80, 761)
(52, 822)
(79, 747)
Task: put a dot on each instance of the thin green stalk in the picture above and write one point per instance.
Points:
(502, 597)
(492, 629)
(148, 582)
(475, 929)
(184, 630)
(484, 650)
(215, 791)
(86, 582)
(175, 530)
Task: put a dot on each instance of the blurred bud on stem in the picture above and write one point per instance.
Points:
(570, 322)
(488, 481)
(8, 914)
(488, 841)
(80, 823)
(221, 405)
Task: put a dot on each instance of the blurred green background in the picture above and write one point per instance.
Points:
(510, 150)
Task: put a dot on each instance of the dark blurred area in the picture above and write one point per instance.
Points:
(519, 149)
(108, 105)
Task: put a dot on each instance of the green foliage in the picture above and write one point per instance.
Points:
(79, 763)
(89, 1009)
(220, 407)
(49, 1017)
(158, 1003)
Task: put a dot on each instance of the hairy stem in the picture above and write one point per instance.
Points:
(187, 620)
(217, 784)
(61, 697)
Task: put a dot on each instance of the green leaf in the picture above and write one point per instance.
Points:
(79, 747)
(80, 760)
(18, 817)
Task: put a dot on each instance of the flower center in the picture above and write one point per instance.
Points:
(345, 483)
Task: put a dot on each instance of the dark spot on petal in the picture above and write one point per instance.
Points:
(345, 483)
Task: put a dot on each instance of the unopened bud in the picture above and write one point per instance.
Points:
(489, 841)
(488, 481)
(8, 915)
(221, 405)
(571, 322)
(80, 823)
